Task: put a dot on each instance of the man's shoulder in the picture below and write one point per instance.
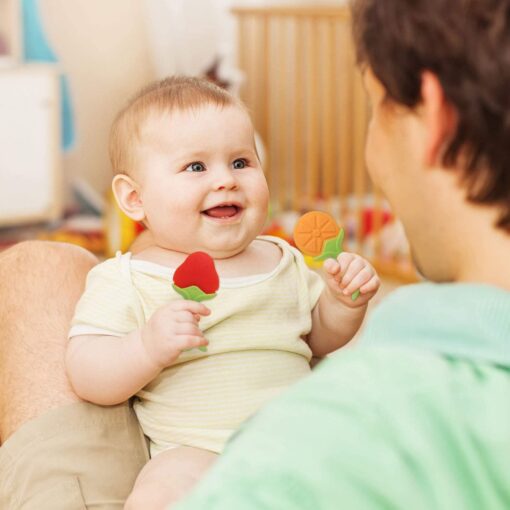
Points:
(374, 428)
(370, 408)
(372, 373)
(397, 385)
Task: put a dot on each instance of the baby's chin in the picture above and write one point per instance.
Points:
(217, 251)
(225, 252)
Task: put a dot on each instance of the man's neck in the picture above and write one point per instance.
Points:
(483, 253)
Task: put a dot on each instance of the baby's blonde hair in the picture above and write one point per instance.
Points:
(164, 96)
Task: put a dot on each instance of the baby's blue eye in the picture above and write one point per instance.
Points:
(195, 167)
(239, 163)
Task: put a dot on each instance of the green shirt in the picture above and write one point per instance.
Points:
(415, 417)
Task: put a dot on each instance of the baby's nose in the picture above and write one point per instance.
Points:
(225, 179)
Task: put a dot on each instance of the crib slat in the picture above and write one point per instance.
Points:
(298, 124)
(266, 109)
(328, 124)
(312, 118)
(359, 117)
(282, 111)
(243, 58)
(254, 76)
(344, 115)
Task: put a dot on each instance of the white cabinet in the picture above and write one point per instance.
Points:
(30, 155)
(10, 29)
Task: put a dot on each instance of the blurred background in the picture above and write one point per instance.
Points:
(67, 67)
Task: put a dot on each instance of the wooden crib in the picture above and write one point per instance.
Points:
(309, 107)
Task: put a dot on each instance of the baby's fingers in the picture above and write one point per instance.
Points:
(335, 269)
(189, 306)
(356, 265)
(345, 259)
(188, 342)
(187, 328)
(332, 268)
(371, 286)
(360, 279)
(184, 316)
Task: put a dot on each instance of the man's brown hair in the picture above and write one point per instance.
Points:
(160, 97)
(466, 44)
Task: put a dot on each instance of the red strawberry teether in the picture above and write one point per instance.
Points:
(196, 278)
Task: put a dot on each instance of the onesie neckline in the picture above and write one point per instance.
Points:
(155, 269)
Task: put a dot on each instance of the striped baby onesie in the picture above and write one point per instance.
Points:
(256, 343)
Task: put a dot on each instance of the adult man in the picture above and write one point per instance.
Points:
(418, 416)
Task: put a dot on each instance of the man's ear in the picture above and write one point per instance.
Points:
(439, 116)
(127, 194)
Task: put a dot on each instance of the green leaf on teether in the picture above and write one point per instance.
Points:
(355, 295)
(332, 247)
(193, 293)
(202, 348)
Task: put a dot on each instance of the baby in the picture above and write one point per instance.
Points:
(185, 165)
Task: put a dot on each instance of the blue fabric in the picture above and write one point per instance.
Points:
(37, 49)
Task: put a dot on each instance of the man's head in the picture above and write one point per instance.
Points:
(438, 74)
(184, 159)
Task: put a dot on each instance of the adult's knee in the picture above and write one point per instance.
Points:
(38, 273)
(44, 254)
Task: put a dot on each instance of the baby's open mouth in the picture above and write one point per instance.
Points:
(223, 211)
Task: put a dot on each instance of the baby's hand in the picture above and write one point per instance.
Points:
(348, 273)
(173, 328)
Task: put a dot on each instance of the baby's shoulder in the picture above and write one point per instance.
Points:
(272, 250)
(272, 242)
(117, 269)
(277, 245)
(270, 246)
(110, 265)
(261, 256)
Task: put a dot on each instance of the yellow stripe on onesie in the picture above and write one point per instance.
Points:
(256, 347)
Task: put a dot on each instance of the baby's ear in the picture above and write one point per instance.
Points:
(127, 194)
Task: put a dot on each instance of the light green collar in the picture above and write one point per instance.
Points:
(460, 320)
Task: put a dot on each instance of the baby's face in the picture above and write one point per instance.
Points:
(202, 186)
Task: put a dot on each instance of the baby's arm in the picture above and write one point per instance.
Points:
(108, 370)
(336, 318)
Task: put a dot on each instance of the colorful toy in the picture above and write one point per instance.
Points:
(196, 279)
(317, 234)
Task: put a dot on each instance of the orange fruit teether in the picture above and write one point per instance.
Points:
(317, 234)
(312, 230)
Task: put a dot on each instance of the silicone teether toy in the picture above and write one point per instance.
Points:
(317, 234)
(196, 279)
